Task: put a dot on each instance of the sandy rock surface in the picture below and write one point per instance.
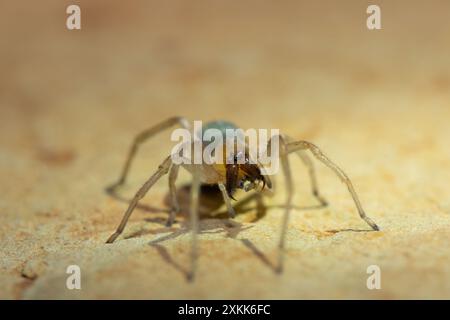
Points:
(377, 102)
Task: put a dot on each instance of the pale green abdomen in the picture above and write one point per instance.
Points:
(220, 125)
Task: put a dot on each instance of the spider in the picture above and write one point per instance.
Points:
(229, 177)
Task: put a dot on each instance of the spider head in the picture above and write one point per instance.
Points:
(242, 174)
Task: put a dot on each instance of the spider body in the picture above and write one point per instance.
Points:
(237, 171)
(236, 175)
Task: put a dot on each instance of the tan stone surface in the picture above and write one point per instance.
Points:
(378, 103)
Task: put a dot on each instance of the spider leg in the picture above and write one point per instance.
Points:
(195, 190)
(140, 138)
(318, 154)
(174, 206)
(289, 193)
(312, 176)
(162, 170)
(306, 159)
(226, 199)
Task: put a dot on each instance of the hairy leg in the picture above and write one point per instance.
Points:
(289, 193)
(174, 206)
(318, 154)
(227, 200)
(283, 155)
(142, 137)
(162, 170)
(311, 171)
(195, 190)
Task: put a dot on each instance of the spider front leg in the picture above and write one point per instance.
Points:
(285, 150)
(318, 154)
(289, 193)
(142, 137)
(162, 170)
(312, 177)
(226, 199)
(174, 206)
(195, 190)
(311, 172)
(283, 155)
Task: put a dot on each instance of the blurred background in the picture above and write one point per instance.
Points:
(377, 102)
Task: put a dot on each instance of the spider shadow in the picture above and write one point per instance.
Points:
(260, 255)
(211, 221)
(210, 200)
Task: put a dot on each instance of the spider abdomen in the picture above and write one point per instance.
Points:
(220, 125)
